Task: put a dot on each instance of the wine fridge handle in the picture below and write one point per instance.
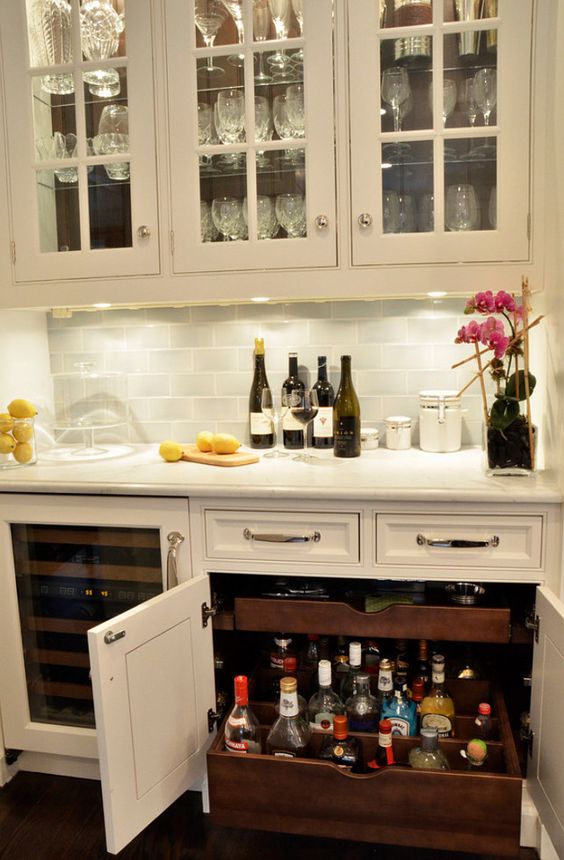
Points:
(174, 540)
(314, 537)
(457, 543)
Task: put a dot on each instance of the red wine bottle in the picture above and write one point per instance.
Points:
(322, 436)
(293, 433)
(261, 432)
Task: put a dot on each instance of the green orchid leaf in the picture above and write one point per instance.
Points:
(511, 387)
(503, 413)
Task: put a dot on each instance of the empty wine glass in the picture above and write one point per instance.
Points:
(227, 216)
(113, 137)
(231, 116)
(298, 7)
(390, 212)
(208, 230)
(205, 123)
(267, 223)
(275, 409)
(468, 100)
(426, 214)
(449, 97)
(485, 91)
(261, 31)
(209, 16)
(280, 116)
(304, 406)
(492, 208)
(280, 11)
(263, 129)
(235, 9)
(291, 213)
(395, 90)
(461, 208)
(295, 109)
(406, 214)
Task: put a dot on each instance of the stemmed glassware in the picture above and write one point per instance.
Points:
(291, 213)
(295, 109)
(261, 30)
(461, 208)
(263, 129)
(209, 16)
(304, 406)
(468, 100)
(395, 90)
(208, 230)
(449, 97)
(298, 7)
(280, 11)
(229, 115)
(235, 9)
(485, 91)
(275, 409)
(227, 216)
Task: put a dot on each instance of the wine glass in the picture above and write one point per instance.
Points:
(461, 208)
(298, 7)
(426, 214)
(275, 409)
(229, 115)
(449, 97)
(295, 109)
(235, 9)
(304, 406)
(468, 100)
(205, 123)
(395, 90)
(492, 208)
(485, 91)
(390, 212)
(261, 30)
(291, 213)
(280, 12)
(406, 214)
(208, 230)
(100, 29)
(209, 16)
(227, 216)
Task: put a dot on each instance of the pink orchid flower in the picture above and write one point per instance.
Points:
(471, 333)
(504, 302)
(483, 302)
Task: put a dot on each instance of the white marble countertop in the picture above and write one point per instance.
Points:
(376, 475)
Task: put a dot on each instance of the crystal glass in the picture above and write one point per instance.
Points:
(59, 146)
(298, 7)
(406, 213)
(468, 100)
(426, 214)
(267, 222)
(395, 90)
(231, 116)
(485, 92)
(113, 137)
(390, 212)
(103, 83)
(461, 208)
(274, 408)
(100, 30)
(304, 406)
(449, 97)
(235, 9)
(291, 213)
(280, 11)
(208, 230)
(263, 119)
(280, 116)
(50, 36)
(227, 216)
(205, 123)
(295, 109)
(209, 16)
(261, 31)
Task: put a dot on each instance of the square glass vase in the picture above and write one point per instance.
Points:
(508, 452)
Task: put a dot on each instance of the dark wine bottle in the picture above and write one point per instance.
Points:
(293, 433)
(346, 415)
(322, 436)
(261, 432)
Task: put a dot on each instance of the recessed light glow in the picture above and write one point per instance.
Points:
(386, 165)
(260, 299)
(102, 305)
(437, 294)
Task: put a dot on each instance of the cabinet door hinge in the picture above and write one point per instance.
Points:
(171, 237)
(532, 622)
(208, 612)
(13, 252)
(12, 756)
(214, 719)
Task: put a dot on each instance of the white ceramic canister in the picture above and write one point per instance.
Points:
(440, 421)
(398, 432)
(369, 438)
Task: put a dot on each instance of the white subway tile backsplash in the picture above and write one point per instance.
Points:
(385, 330)
(374, 382)
(102, 339)
(260, 312)
(407, 357)
(191, 384)
(167, 315)
(149, 385)
(233, 384)
(356, 310)
(288, 335)
(66, 340)
(190, 335)
(333, 332)
(423, 308)
(212, 313)
(422, 380)
(170, 361)
(126, 362)
(308, 310)
(214, 408)
(148, 337)
(432, 330)
(218, 360)
(239, 334)
(170, 408)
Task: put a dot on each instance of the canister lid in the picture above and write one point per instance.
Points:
(398, 421)
(434, 396)
(369, 433)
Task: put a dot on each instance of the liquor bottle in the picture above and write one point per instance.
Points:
(293, 431)
(242, 732)
(385, 682)
(261, 431)
(401, 711)
(362, 708)
(428, 756)
(311, 654)
(282, 648)
(290, 671)
(346, 415)
(422, 670)
(402, 660)
(348, 686)
(324, 704)
(385, 752)
(484, 721)
(371, 657)
(437, 708)
(417, 694)
(340, 748)
(290, 735)
(322, 435)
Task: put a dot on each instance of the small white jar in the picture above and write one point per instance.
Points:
(398, 432)
(369, 438)
(440, 421)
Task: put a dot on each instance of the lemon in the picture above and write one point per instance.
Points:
(170, 451)
(6, 422)
(23, 452)
(7, 444)
(224, 443)
(21, 409)
(204, 441)
(22, 432)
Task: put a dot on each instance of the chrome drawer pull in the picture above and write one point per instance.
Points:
(456, 543)
(174, 539)
(315, 537)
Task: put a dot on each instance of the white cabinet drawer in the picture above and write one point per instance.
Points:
(326, 538)
(465, 542)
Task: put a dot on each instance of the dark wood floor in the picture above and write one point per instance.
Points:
(58, 818)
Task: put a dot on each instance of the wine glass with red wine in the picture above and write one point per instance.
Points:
(304, 406)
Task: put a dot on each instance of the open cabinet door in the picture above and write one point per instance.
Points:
(153, 684)
(545, 776)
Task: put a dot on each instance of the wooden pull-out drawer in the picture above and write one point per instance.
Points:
(470, 544)
(454, 810)
(305, 537)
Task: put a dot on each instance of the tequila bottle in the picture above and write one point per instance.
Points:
(428, 756)
(437, 708)
(324, 704)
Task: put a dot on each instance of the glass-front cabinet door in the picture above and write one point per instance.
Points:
(79, 111)
(251, 133)
(439, 93)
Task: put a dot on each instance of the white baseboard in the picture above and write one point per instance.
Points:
(59, 765)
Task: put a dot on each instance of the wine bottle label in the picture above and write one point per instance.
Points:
(323, 722)
(399, 726)
(261, 425)
(290, 422)
(284, 664)
(236, 746)
(323, 422)
(347, 434)
(440, 722)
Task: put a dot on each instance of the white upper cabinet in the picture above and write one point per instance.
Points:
(81, 142)
(439, 107)
(251, 134)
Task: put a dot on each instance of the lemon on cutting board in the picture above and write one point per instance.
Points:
(204, 441)
(170, 451)
(225, 443)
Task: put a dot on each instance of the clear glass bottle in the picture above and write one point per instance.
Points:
(324, 704)
(348, 686)
(385, 752)
(281, 649)
(290, 735)
(311, 654)
(385, 682)
(401, 711)
(291, 671)
(428, 756)
(242, 732)
(437, 708)
(342, 749)
(362, 708)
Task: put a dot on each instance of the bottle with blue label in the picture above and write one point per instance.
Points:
(401, 711)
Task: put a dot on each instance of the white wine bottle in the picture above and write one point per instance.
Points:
(261, 431)
(346, 415)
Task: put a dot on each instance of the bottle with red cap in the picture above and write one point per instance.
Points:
(340, 748)
(291, 671)
(484, 721)
(242, 733)
(385, 753)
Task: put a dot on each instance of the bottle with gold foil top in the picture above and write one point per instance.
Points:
(261, 431)
(437, 708)
(346, 415)
(290, 735)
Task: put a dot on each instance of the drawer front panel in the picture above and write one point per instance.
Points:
(256, 536)
(467, 542)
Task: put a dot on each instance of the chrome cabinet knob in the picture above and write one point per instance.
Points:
(365, 220)
(143, 232)
(322, 222)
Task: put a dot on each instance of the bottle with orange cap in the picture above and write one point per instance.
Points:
(341, 748)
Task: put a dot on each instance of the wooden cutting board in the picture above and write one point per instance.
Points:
(193, 455)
